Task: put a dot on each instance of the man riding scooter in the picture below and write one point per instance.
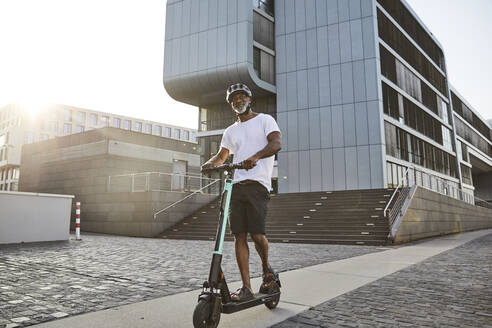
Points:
(254, 139)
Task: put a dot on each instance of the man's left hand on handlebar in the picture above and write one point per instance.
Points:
(249, 163)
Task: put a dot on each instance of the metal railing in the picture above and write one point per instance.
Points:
(159, 181)
(208, 186)
(395, 214)
(403, 182)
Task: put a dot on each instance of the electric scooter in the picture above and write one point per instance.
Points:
(215, 296)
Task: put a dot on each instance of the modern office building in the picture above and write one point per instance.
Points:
(18, 126)
(359, 89)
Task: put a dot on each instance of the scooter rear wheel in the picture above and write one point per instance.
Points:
(202, 317)
(273, 288)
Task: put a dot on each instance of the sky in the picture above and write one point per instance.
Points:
(107, 55)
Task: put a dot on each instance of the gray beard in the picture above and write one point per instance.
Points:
(242, 110)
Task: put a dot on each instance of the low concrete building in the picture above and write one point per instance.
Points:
(21, 124)
(122, 178)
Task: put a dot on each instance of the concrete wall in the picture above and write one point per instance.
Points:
(131, 214)
(30, 217)
(431, 214)
(329, 103)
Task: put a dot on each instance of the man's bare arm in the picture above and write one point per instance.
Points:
(217, 159)
(274, 145)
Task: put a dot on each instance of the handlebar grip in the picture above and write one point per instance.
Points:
(223, 167)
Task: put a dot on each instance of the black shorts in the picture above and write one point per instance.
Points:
(248, 208)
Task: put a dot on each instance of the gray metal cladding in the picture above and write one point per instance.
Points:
(328, 99)
(208, 46)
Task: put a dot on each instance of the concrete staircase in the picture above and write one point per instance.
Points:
(338, 217)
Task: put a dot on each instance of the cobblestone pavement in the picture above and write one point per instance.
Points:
(452, 289)
(44, 281)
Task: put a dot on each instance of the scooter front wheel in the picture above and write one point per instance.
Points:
(203, 316)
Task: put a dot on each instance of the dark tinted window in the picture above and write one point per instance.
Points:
(405, 19)
(398, 41)
(263, 31)
(405, 146)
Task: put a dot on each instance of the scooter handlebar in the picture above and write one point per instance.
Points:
(223, 167)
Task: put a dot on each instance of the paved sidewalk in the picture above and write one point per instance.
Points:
(302, 290)
(452, 289)
(45, 281)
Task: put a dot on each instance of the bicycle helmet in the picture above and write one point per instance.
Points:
(238, 87)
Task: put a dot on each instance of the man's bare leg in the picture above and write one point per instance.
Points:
(242, 256)
(261, 245)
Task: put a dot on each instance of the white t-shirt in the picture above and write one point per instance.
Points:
(244, 139)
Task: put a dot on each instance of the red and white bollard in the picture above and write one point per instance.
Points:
(77, 221)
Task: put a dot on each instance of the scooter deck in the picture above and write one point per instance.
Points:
(258, 299)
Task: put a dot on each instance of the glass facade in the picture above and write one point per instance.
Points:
(405, 19)
(410, 114)
(465, 132)
(462, 110)
(396, 72)
(392, 36)
(405, 146)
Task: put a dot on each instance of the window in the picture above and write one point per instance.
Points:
(388, 66)
(472, 137)
(466, 113)
(67, 128)
(116, 122)
(442, 108)
(127, 124)
(263, 31)
(265, 5)
(429, 98)
(158, 130)
(105, 120)
(168, 132)
(67, 114)
(29, 137)
(177, 133)
(399, 42)
(44, 136)
(148, 128)
(138, 126)
(193, 136)
(405, 19)
(466, 174)
(186, 135)
(264, 65)
(54, 126)
(93, 119)
(81, 117)
(405, 146)
(79, 129)
(446, 138)
(408, 81)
